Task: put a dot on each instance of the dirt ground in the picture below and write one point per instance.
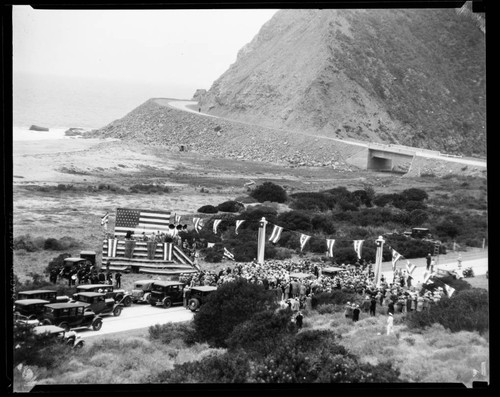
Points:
(96, 176)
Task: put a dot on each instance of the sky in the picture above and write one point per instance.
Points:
(193, 47)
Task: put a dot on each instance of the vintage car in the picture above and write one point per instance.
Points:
(198, 295)
(142, 291)
(45, 294)
(119, 295)
(70, 315)
(71, 338)
(29, 311)
(72, 264)
(166, 293)
(98, 303)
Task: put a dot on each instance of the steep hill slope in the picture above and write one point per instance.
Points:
(409, 76)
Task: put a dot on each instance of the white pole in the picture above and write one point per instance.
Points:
(261, 242)
(378, 260)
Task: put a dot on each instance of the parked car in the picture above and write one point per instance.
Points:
(72, 264)
(99, 303)
(198, 295)
(119, 295)
(166, 293)
(70, 315)
(44, 294)
(142, 291)
(71, 338)
(29, 311)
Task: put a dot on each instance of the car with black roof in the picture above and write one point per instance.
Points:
(45, 294)
(166, 293)
(198, 296)
(70, 315)
(118, 294)
(98, 303)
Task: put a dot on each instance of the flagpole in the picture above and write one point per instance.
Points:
(261, 242)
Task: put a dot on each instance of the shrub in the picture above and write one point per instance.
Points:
(282, 253)
(466, 310)
(233, 303)
(214, 254)
(364, 197)
(269, 191)
(166, 333)
(323, 223)
(414, 194)
(295, 220)
(262, 332)
(26, 242)
(217, 368)
(231, 206)
(208, 209)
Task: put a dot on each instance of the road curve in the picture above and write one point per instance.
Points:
(183, 105)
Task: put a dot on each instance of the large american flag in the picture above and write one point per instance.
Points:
(140, 221)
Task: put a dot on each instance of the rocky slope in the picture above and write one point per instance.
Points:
(407, 76)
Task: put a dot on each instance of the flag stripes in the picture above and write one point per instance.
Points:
(216, 224)
(396, 256)
(358, 244)
(329, 246)
(238, 224)
(139, 221)
(303, 240)
(276, 234)
(228, 254)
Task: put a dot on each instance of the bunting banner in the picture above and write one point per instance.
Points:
(167, 251)
(238, 224)
(427, 277)
(396, 256)
(228, 254)
(112, 245)
(216, 224)
(104, 219)
(177, 218)
(358, 244)
(276, 234)
(210, 245)
(449, 290)
(198, 224)
(410, 267)
(329, 245)
(303, 240)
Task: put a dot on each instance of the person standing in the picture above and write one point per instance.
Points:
(428, 260)
(185, 295)
(355, 313)
(118, 279)
(109, 278)
(298, 320)
(373, 305)
(390, 307)
(390, 324)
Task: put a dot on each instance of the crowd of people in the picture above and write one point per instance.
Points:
(86, 273)
(295, 283)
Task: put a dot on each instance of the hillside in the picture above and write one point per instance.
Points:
(408, 76)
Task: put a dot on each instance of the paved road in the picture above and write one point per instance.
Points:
(478, 260)
(138, 316)
(183, 105)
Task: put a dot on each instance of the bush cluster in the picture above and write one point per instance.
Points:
(33, 244)
(269, 191)
(466, 310)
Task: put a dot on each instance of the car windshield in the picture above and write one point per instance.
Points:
(157, 288)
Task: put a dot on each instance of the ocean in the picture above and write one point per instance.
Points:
(60, 103)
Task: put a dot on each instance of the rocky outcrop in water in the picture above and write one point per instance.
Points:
(38, 128)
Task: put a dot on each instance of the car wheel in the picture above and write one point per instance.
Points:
(117, 311)
(46, 322)
(70, 341)
(147, 298)
(64, 326)
(193, 304)
(127, 301)
(79, 345)
(32, 317)
(152, 303)
(167, 303)
(97, 325)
